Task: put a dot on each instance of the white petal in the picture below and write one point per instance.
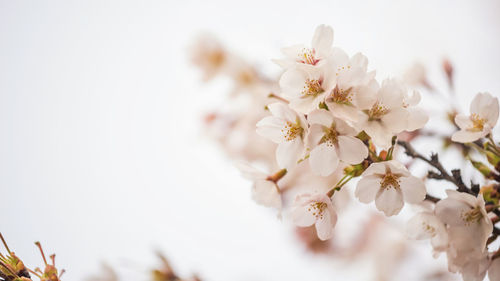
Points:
(391, 93)
(323, 39)
(367, 188)
(282, 110)
(343, 128)
(292, 82)
(413, 189)
(314, 135)
(304, 105)
(375, 168)
(450, 211)
(293, 51)
(494, 270)
(320, 116)
(323, 159)
(466, 136)
(302, 217)
(249, 172)
(396, 120)
(417, 226)
(266, 193)
(343, 111)
(380, 135)
(325, 225)
(351, 150)
(271, 127)
(417, 119)
(463, 121)
(389, 201)
(289, 152)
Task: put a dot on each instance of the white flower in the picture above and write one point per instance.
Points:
(306, 89)
(302, 56)
(332, 139)
(315, 209)
(350, 74)
(383, 112)
(286, 128)
(265, 192)
(390, 184)
(417, 118)
(472, 265)
(468, 223)
(425, 225)
(494, 270)
(483, 117)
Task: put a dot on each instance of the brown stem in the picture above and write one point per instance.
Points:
(455, 178)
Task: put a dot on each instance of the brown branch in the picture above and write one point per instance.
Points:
(454, 178)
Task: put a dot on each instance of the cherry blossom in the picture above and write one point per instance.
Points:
(265, 191)
(390, 184)
(331, 140)
(286, 128)
(425, 225)
(468, 222)
(350, 75)
(315, 209)
(383, 111)
(483, 117)
(303, 56)
(306, 89)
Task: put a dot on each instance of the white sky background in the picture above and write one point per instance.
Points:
(101, 154)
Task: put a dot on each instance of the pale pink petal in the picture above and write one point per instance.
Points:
(323, 39)
(413, 189)
(421, 226)
(314, 135)
(463, 136)
(396, 120)
(389, 201)
(282, 110)
(417, 119)
(249, 172)
(450, 211)
(375, 168)
(320, 116)
(325, 225)
(343, 111)
(343, 128)
(494, 270)
(289, 152)
(304, 104)
(292, 82)
(293, 51)
(463, 121)
(302, 217)
(391, 93)
(351, 150)
(266, 193)
(271, 127)
(380, 135)
(323, 159)
(367, 188)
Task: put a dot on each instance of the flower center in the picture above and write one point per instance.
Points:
(317, 209)
(390, 180)
(307, 57)
(478, 122)
(291, 131)
(429, 229)
(376, 112)
(312, 87)
(471, 216)
(341, 96)
(330, 137)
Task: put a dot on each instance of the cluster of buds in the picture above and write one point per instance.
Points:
(13, 269)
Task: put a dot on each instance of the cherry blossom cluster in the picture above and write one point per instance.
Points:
(330, 124)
